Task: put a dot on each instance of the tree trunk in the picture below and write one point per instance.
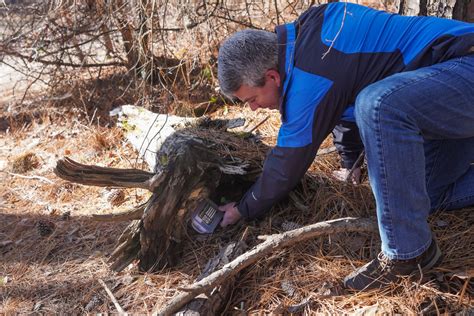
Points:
(464, 10)
(410, 7)
(126, 30)
(451, 9)
(440, 8)
(193, 168)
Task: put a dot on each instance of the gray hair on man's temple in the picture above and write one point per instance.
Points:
(244, 58)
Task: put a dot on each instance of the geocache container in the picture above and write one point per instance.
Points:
(206, 217)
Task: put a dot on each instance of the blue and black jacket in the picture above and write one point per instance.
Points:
(326, 58)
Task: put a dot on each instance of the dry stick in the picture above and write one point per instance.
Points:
(326, 151)
(112, 297)
(359, 159)
(259, 124)
(271, 243)
(277, 13)
(31, 177)
(463, 290)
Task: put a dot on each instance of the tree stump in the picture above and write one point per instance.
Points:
(198, 161)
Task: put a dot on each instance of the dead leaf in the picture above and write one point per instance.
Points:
(4, 280)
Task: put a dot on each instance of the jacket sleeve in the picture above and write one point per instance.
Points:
(283, 169)
(348, 142)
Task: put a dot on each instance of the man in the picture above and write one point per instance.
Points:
(411, 80)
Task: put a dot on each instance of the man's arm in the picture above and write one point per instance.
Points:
(283, 169)
(348, 143)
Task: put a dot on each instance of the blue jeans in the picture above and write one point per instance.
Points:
(418, 132)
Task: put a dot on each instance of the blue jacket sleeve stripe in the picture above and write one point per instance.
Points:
(305, 92)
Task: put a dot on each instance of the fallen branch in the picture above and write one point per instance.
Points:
(112, 297)
(272, 243)
(212, 302)
(355, 166)
(73, 171)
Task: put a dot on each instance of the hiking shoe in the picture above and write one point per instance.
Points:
(382, 271)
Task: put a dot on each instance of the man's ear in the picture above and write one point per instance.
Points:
(274, 76)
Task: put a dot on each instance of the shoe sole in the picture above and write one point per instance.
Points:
(434, 262)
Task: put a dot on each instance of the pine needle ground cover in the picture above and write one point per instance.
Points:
(53, 255)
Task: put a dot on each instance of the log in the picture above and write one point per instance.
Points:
(128, 247)
(271, 243)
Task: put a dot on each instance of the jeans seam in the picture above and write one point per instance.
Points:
(386, 209)
(435, 161)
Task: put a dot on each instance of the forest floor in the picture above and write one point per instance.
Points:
(52, 254)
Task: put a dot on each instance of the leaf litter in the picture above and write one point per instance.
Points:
(56, 268)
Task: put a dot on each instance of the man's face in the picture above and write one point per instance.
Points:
(266, 96)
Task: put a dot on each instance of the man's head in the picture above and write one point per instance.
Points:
(247, 68)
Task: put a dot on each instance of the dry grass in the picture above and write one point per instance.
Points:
(25, 162)
(59, 273)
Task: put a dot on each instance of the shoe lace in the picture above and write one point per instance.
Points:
(385, 262)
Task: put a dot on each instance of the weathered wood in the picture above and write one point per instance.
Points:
(128, 247)
(192, 166)
(271, 243)
(212, 302)
(73, 171)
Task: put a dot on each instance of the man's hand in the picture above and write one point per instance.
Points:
(342, 174)
(231, 215)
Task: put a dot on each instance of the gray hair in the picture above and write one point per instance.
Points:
(244, 58)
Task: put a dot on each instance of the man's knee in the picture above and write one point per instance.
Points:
(383, 103)
(367, 106)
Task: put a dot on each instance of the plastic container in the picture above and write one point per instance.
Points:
(206, 217)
